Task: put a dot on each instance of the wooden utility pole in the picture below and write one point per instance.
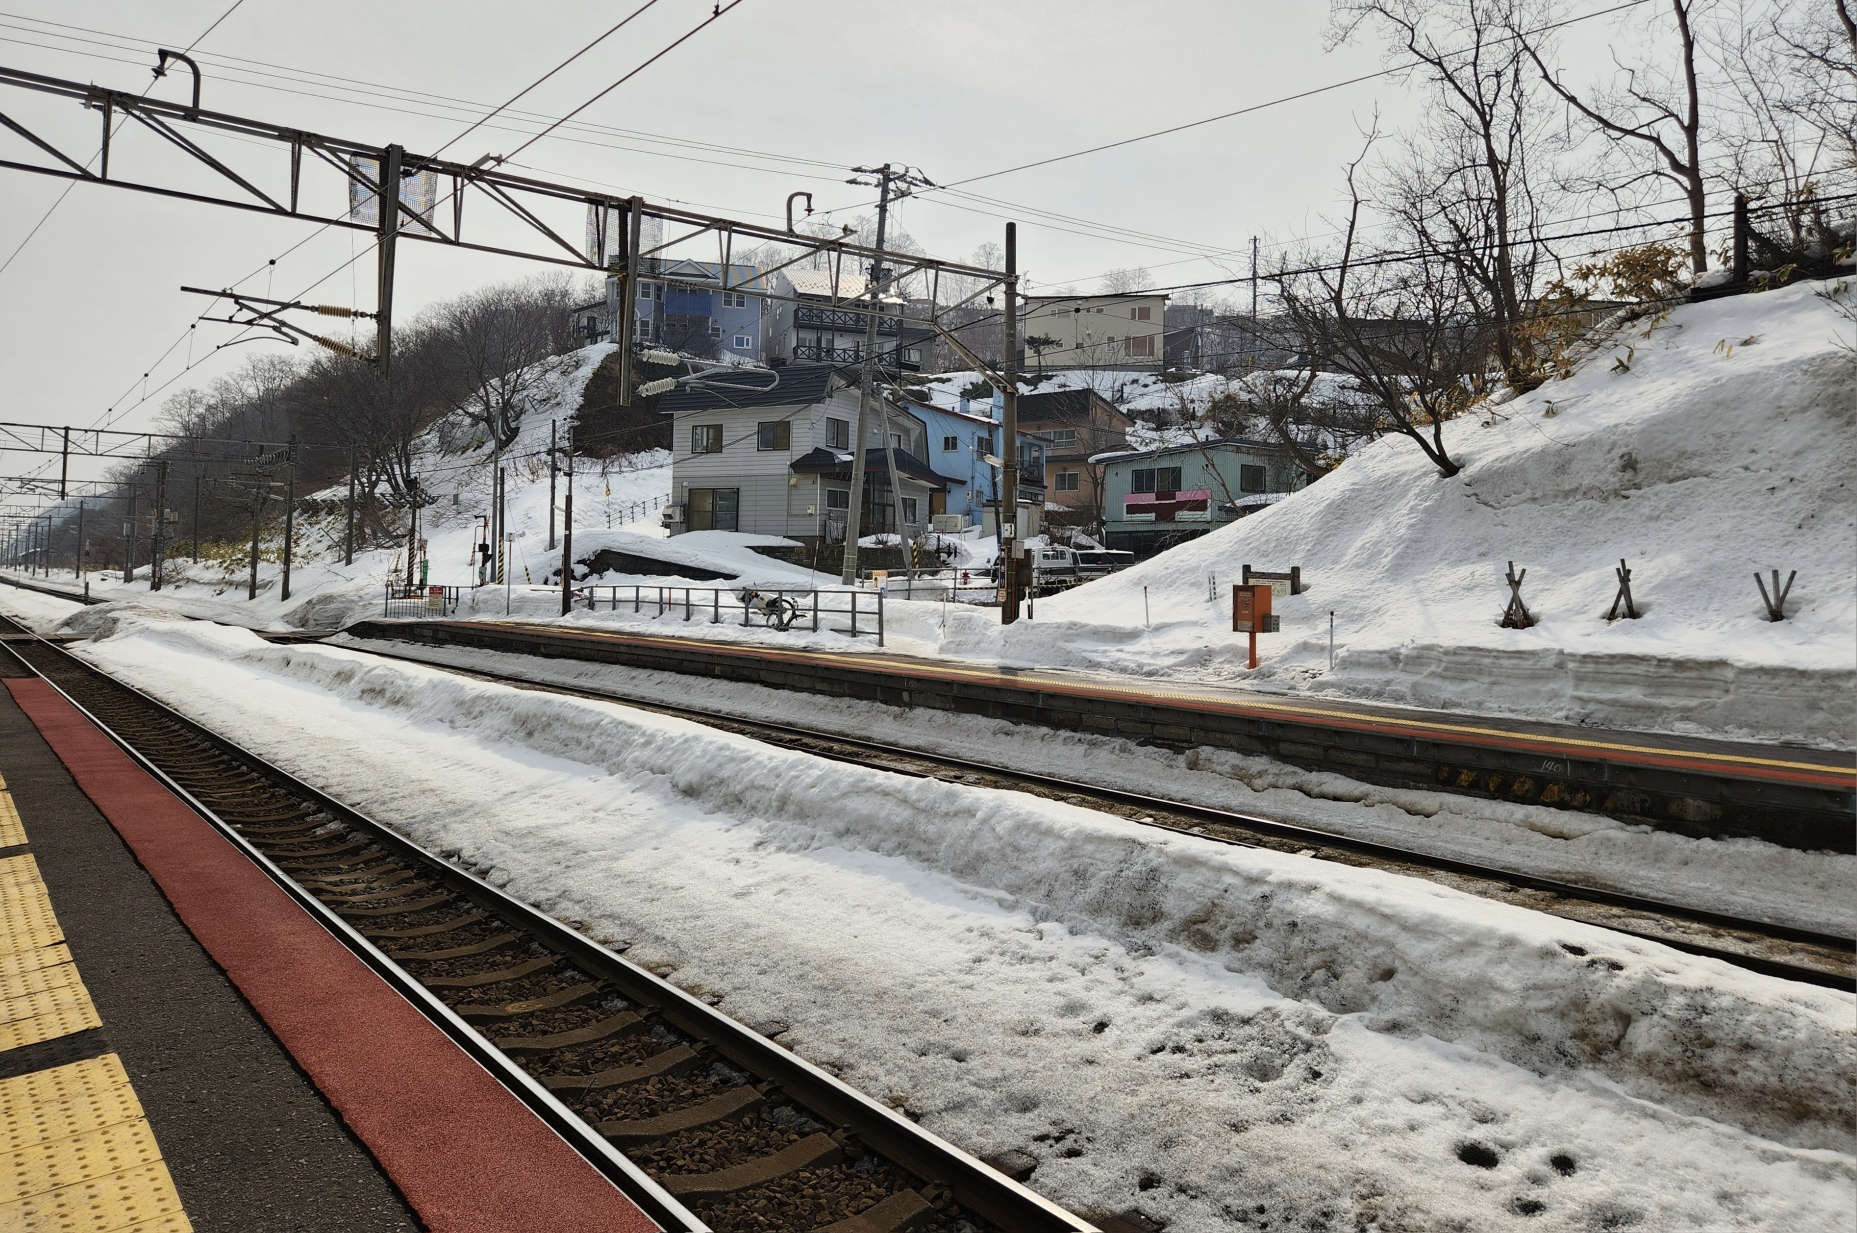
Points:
(348, 553)
(567, 548)
(290, 513)
(129, 542)
(1009, 428)
(553, 469)
(854, 514)
(161, 513)
(196, 518)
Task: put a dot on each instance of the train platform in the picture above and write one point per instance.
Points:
(182, 1046)
(1794, 796)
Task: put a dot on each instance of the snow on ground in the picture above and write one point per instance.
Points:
(1714, 444)
(1744, 877)
(1198, 1031)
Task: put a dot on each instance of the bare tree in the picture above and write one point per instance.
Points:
(1409, 332)
(1124, 281)
(1658, 109)
(495, 339)
(1461, 186)
(1819, 46)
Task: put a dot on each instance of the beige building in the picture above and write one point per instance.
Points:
(1095, 331)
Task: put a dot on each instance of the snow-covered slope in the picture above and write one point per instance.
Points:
(1718, 443)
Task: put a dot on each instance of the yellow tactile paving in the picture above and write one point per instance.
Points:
(34, 959)
(11, 830)
(66, 1100)
(58, 1008)
(76, 1153)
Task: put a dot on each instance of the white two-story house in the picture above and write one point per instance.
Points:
(778, 461)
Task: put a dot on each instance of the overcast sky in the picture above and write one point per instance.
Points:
(799, 92)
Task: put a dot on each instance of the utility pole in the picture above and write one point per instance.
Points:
(1009, 428)
(64, 463)
(259, 485)
(567, 543)
(129, 543)
(290, 512)
(860, 445)
(389, 231)
(348, 553)
(79, 564)
(1253, 290)
(553, 469)
(161, 513)
(196, 517)
(412, 534)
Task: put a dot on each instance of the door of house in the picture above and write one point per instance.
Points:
(715, 509)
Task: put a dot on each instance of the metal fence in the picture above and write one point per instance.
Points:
(405, 601)
(863, 609)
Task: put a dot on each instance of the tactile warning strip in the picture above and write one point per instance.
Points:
(76, 1153)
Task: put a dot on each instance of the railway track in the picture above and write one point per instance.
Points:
(704, 1123)
(1776, 950)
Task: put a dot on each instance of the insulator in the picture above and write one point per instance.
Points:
(339, 348)
(662, 386)
(660, 357)
(334, 310)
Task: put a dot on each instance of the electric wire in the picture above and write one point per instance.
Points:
(53, 209)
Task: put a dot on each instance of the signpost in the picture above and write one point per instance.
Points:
(1251, 614)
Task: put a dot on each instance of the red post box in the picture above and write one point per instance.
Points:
(1251, 613)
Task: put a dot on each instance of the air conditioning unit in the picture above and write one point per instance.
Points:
(948, 524)
(673, 514)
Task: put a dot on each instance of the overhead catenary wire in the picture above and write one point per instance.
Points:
(53, 209)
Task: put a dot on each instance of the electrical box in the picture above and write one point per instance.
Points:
(948, 524)
(1251, 610)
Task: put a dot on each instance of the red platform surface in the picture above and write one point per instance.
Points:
(468, 1156)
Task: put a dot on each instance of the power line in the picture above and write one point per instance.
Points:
(716, 15)
(1276, 102)
(93, 158)
(544, 77)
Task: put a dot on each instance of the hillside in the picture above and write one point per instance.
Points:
(1714, 444)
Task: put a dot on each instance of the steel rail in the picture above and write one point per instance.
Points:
(973, 1184)
(1251, 822)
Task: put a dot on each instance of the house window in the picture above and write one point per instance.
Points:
(984, 444)
(1143, 345)
(651, 291)
(837, 434)
(744, 342)
(715, 509)
(1141, 314)
(1067, 481)
(838, 498)
(734, 299)
(1250, 479)
(777, 435)
(715, 329)
(1167, 479)
(1063, 436)
(909, 510)
(706, 439)
(913, 355)
(950, 444)
(896, 440)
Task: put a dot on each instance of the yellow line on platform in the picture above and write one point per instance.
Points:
(1034, 680)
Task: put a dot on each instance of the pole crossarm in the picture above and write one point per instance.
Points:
(111, 442)
(521, 198)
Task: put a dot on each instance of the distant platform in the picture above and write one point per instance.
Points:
(1802, 798)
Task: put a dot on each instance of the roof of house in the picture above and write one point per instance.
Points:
(1101, 295)
(1064, 405)
(807, 281)
(799, 385)
(839, 461)
(1192, 447)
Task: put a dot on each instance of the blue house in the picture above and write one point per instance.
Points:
(958, 444)
(703, 319)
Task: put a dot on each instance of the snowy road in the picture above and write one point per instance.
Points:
(1207, 1034)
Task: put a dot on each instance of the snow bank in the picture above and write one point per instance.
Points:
(1401, 956)
(1713, 445)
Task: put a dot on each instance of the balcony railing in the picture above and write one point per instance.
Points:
(838, 319)
(886, 356)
